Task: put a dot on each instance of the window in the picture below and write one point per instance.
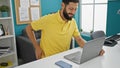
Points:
(93, 15)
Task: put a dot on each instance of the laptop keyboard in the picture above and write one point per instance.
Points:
(77, 56)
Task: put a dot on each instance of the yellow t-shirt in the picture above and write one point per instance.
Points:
(56, 33)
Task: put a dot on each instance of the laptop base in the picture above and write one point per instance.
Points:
(74, 57)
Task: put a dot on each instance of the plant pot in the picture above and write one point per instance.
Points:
(4, 14)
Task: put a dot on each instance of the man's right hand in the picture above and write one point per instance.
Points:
(38, 53)
(31, 35)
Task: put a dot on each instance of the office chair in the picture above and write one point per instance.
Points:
(72, 43)
(97, 34)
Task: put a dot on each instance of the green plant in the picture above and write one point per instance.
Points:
(4, 8)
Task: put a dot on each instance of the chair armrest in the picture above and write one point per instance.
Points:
(25, 49)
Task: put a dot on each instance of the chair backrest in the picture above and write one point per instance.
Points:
(97, 34)
(37, 33)
(72, 44)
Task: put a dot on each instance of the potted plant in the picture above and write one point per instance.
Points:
(4, 11)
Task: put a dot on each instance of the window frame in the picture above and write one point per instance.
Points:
(94, 5)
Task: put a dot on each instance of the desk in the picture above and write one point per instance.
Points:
(111, 59)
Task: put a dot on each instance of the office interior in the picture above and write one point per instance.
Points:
(49, 6)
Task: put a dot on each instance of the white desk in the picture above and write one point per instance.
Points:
(111, 59)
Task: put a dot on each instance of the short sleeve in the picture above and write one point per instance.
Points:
(76, 31)
(38, 24)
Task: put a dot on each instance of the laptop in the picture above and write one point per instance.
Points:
(90, 50)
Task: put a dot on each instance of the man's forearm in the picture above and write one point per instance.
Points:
(31, 36)
(81, 42)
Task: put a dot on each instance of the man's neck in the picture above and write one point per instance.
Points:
(61, 15)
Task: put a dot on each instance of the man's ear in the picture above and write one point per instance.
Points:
(62, 5)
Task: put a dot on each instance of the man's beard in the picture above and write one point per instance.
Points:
(66, 16)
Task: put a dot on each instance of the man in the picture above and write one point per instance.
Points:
(57, 31)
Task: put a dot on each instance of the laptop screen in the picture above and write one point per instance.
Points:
(90, 50)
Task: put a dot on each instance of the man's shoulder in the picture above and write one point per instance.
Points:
(50, 15)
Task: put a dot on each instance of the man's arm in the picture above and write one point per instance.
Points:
(30, 33)
(80, 41)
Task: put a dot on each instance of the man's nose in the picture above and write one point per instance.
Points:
(73, 12)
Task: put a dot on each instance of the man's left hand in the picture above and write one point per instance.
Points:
(102, 52)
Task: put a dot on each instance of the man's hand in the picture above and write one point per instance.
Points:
(38, 53)
(102, 52)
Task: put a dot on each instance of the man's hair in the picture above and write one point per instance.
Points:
(67, 1)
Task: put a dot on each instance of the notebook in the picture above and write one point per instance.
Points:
(90, 50)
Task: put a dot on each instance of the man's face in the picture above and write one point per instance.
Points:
(69, 10)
